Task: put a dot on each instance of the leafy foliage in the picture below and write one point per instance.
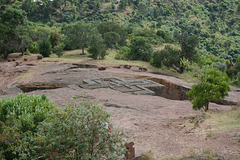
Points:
(97, 48)
(111, 39)
(55, 38)
(27, 110)
(77, 35)
(124, 53)
(19, 118)
(58, 49)
(106, 27)
(168, 57)
(45, 48)
(87, 136)
(140, 49)
(32, 127)
(11, 18)
(34, 47)
(213, 85)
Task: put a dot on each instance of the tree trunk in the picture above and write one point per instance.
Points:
(181, 70)
(83, 51)
(206, 108)
(5, 55)
(182, 52)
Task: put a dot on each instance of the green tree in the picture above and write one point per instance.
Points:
(105, 27)
(168, 57)
(58, 49)
(55, 38)
(31, 8)
(212, 86)
(140, 49)
(24, 33)
(111, 39)
(77, 35)
(34, 47)
(142, 8)
(188, 48)
(46, 9)
(45, 48)
(97, 48)
(11, 19)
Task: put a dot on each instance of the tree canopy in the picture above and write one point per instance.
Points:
(212, 86)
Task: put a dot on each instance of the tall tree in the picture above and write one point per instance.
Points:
(111, 39)
(188, 48)
(97, 48)
(140, 49)
(78, 35)
(11, 18)
(55, 38)
(105, 27)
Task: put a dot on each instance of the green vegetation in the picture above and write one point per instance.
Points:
(19, 118)
(45, 48)
(97, 48)
(206, 154)
(32, 127)
(58, 49)
(221, 121)
(201, 34)
(213, 85)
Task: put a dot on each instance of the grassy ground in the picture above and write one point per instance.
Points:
(224, 121)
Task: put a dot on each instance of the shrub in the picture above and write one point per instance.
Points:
(34, 48)
(79, 132)
(168, 57)
(31, 127)
(58, 49)
(213, 85)
(97, 48)
(19, 118)
(45, 48)
(140, 49)
(166, 36)
(123, 53)
(27, 110)
(220, 66)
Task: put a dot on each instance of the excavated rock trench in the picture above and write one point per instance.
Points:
(141, 85)
(152, 86)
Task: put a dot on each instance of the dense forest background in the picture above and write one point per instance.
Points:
(181, 35)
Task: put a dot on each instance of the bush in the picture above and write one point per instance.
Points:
(220, 66)
(123, 53)
(58, 49)
(45, 48)
(140, 49)
(27, 110)
(169, 57)
(166, 36)
(19, 118)
(79, 132)
(97, 48)
(31, 127)
(213, 85)
(34, 48)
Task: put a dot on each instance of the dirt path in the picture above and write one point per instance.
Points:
(149, 121)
